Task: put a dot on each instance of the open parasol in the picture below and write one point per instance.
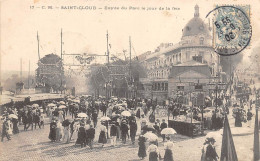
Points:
(150, 136)
(168, 131)
(35, 105)
(82, 115)
(76, 101)
(126, 113)
(62, 106)
(105, 118)
(62, 102)
(51, 105)
(13, 116)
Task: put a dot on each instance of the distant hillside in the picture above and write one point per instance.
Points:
(5, 75)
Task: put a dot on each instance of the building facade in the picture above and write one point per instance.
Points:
(180, 67)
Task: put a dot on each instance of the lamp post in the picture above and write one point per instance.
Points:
(256, 130)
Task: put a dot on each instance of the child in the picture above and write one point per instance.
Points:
(142, 149)
(42, 121)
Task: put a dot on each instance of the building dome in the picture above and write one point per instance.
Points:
(195, 26)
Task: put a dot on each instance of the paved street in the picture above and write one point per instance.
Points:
(35, 145)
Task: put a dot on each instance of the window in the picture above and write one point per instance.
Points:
(198, 87)
(159, 86)
(166, 87)
(162, 73)
(181, 88)
(162, 86)
(201, 41)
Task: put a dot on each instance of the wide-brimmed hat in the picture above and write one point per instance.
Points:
(211, 139)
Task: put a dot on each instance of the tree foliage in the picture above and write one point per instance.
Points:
(50, 73)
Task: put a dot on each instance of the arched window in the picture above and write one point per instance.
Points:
(162, 73)
(201, 41)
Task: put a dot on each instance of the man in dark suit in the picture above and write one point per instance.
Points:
(133, 129)
(163, 125)
(113, 133)
(124, 131)
(90, 136)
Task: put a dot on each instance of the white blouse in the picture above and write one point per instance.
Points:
(168, 145)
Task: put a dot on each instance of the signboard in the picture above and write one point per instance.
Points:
(200, 99)
(180, 84)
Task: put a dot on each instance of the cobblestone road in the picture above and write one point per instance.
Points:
(35, 145)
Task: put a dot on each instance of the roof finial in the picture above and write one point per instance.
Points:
(196, 13)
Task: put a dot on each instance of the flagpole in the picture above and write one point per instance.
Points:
(38, 46)
(61, 74)
(256, 130)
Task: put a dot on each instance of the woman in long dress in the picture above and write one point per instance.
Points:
(60, 115)
(58, 131)
(238, 120)
(66, 131)
(102, 136)
(142, 148)
(15, 126)
(52, 134)
(153, 151)
(81, 135)
(168, 150)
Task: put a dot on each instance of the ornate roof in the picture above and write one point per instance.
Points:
(195, 26)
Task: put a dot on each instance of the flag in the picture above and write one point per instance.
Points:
(228, 151)
(256, 138)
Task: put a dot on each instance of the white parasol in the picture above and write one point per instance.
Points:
(150, 136)
(76, 101)
(126, 113)
(35, 105)
(105, 118)
(62, 106)
(168, 131)
(62, 102)
(13, 116)
(51, 105)
(82, 115)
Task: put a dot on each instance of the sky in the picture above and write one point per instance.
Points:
(84, 31)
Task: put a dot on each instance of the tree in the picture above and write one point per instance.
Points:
(50, 73)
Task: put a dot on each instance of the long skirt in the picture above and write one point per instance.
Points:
(118, 132)
(142, 151)
(52, 135)
(66, 136)
(168, 155)
(153, 156)
(102, 137)
(58, 134)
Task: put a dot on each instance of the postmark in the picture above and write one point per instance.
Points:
(231, 29)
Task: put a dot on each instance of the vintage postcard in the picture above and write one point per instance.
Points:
(129, 80)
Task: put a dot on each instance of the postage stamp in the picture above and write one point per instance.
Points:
(231, 29)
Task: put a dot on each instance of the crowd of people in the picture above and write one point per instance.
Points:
(118, 122)
(80, 119)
